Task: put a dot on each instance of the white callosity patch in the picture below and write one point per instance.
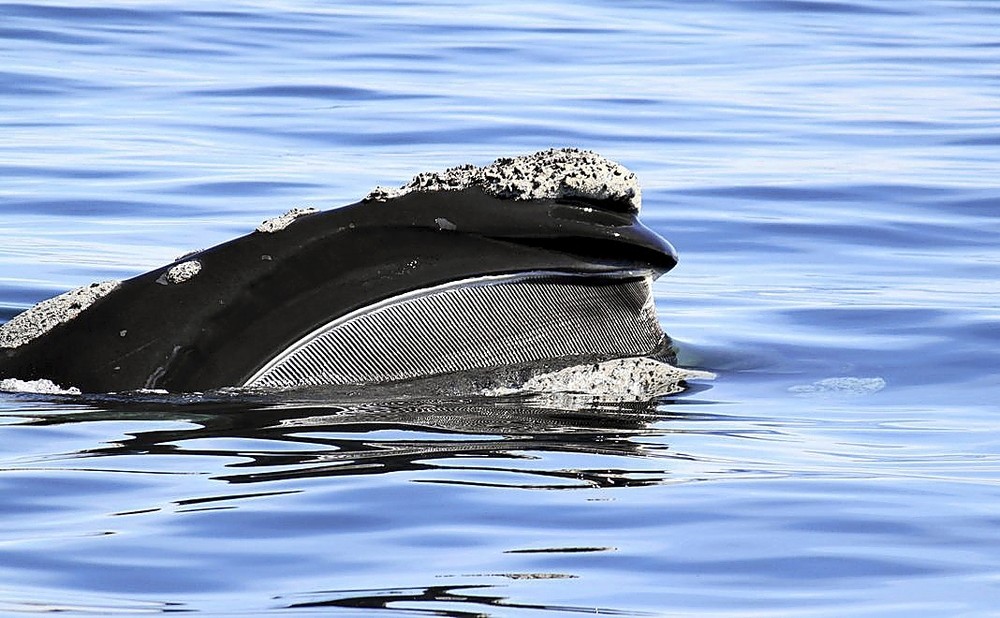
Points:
(279, 223)
(179, 273)
(50, 313)
(549, 174)
(39, 387)
(445, 225)
(624, 379)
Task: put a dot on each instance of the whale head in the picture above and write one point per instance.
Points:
(529, 264)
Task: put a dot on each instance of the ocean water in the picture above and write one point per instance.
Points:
(829, 172)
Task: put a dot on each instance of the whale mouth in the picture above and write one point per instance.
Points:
(475, 324)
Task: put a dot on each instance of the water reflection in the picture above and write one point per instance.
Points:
(430, 600)
(267, 438)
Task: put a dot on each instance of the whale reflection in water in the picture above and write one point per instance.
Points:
(321, 434)
(531, 273)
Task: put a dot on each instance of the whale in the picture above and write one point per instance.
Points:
(534, 265)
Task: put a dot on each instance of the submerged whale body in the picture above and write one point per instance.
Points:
(535, 265)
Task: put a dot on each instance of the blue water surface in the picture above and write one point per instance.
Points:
(827, 170)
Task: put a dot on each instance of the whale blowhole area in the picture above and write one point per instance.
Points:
(556, 173)
(46, 315)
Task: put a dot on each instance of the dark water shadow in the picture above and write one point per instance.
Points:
(477, 600)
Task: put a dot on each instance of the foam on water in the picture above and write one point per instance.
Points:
(840, 386)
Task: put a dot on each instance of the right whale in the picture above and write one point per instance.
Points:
(532, 264)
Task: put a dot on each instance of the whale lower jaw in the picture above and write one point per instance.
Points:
(476, 324)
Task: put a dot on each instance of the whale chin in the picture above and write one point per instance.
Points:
(529, 265)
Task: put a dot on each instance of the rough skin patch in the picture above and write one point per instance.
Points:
(548, 174)
(625, 379)
(50, 313)
(279, 223)
(38, 387)
(179, 273)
